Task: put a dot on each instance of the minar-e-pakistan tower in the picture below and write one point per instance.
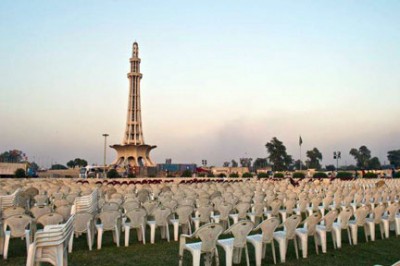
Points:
(133, 151)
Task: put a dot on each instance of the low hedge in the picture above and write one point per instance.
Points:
(262, 175)
(299, 175)
(279, 175)
(320, 175)
(344, 175)
(247, 175)
(370, 175)
(234, 175)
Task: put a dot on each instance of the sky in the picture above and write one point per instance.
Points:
(220, 78)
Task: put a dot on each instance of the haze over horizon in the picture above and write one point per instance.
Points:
(220, 79)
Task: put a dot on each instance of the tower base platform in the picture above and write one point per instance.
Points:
(133, 155)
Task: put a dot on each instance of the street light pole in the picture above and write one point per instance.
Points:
(337, 155)
(105, 135)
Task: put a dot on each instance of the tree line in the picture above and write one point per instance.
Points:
(280, 160)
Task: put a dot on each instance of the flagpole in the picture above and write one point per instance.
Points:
(300, 157)
(300, 142)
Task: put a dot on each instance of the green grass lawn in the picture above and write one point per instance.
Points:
(383, 252)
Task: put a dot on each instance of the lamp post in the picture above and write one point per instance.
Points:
(105, 135)
(337, 155)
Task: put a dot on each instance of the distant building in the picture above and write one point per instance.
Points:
(174, 168)
(229, 170)
(8, 169)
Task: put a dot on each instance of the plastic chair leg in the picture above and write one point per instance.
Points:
(295, 247)
(99, 237)
(258, 246)
(152, 233)
(6, 245)
(273, 251)
(228, 256)
(247, 255)
(127, 233)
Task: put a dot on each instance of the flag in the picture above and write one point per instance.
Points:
(300, 141)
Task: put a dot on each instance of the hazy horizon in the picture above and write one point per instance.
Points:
(220, 79)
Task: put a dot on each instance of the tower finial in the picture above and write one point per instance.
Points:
(135, 50)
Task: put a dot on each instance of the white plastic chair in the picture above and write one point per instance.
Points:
(17, 226)
(110, 221)
(376, 220)
(137, 220)
(233, 246)
(84, 223)
(391, 219)
(208, 235)
(161, 216)
(259, 241)
(342, 223)
(327, 226)
(309, 230)
(359, 221)
(283, 237)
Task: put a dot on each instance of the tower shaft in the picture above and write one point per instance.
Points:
(134, 129)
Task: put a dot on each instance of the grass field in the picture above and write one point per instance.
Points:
(382, 252)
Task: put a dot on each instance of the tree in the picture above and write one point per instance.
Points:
(12, 156)
(278, 155)
(246, 162)
(234, 163)
(71, 164)
(374, 163)
(34, 166)
(186, 173)
(297, 165)
(330, 167)
(80, 162)
(58, 167)
(394, 158)
(315, 157)
(226, 164)
(112, 174)
(260, 163)
(362, 156)
(20, 173)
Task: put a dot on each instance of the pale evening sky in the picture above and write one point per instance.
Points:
(220, 78)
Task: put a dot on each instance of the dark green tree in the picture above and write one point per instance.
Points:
(246, 162)
(71, 164)
(362, 156)
(297, 165)
(20, 173)
(112, 173)
(80, 162)
(330, 167)
(278, 155)
(186, 173)
(315, 157)
(234, 163)
(260, 163)
(58, 167)
(394, 158)
(12, 156)
(226, 164)
(374, 163)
